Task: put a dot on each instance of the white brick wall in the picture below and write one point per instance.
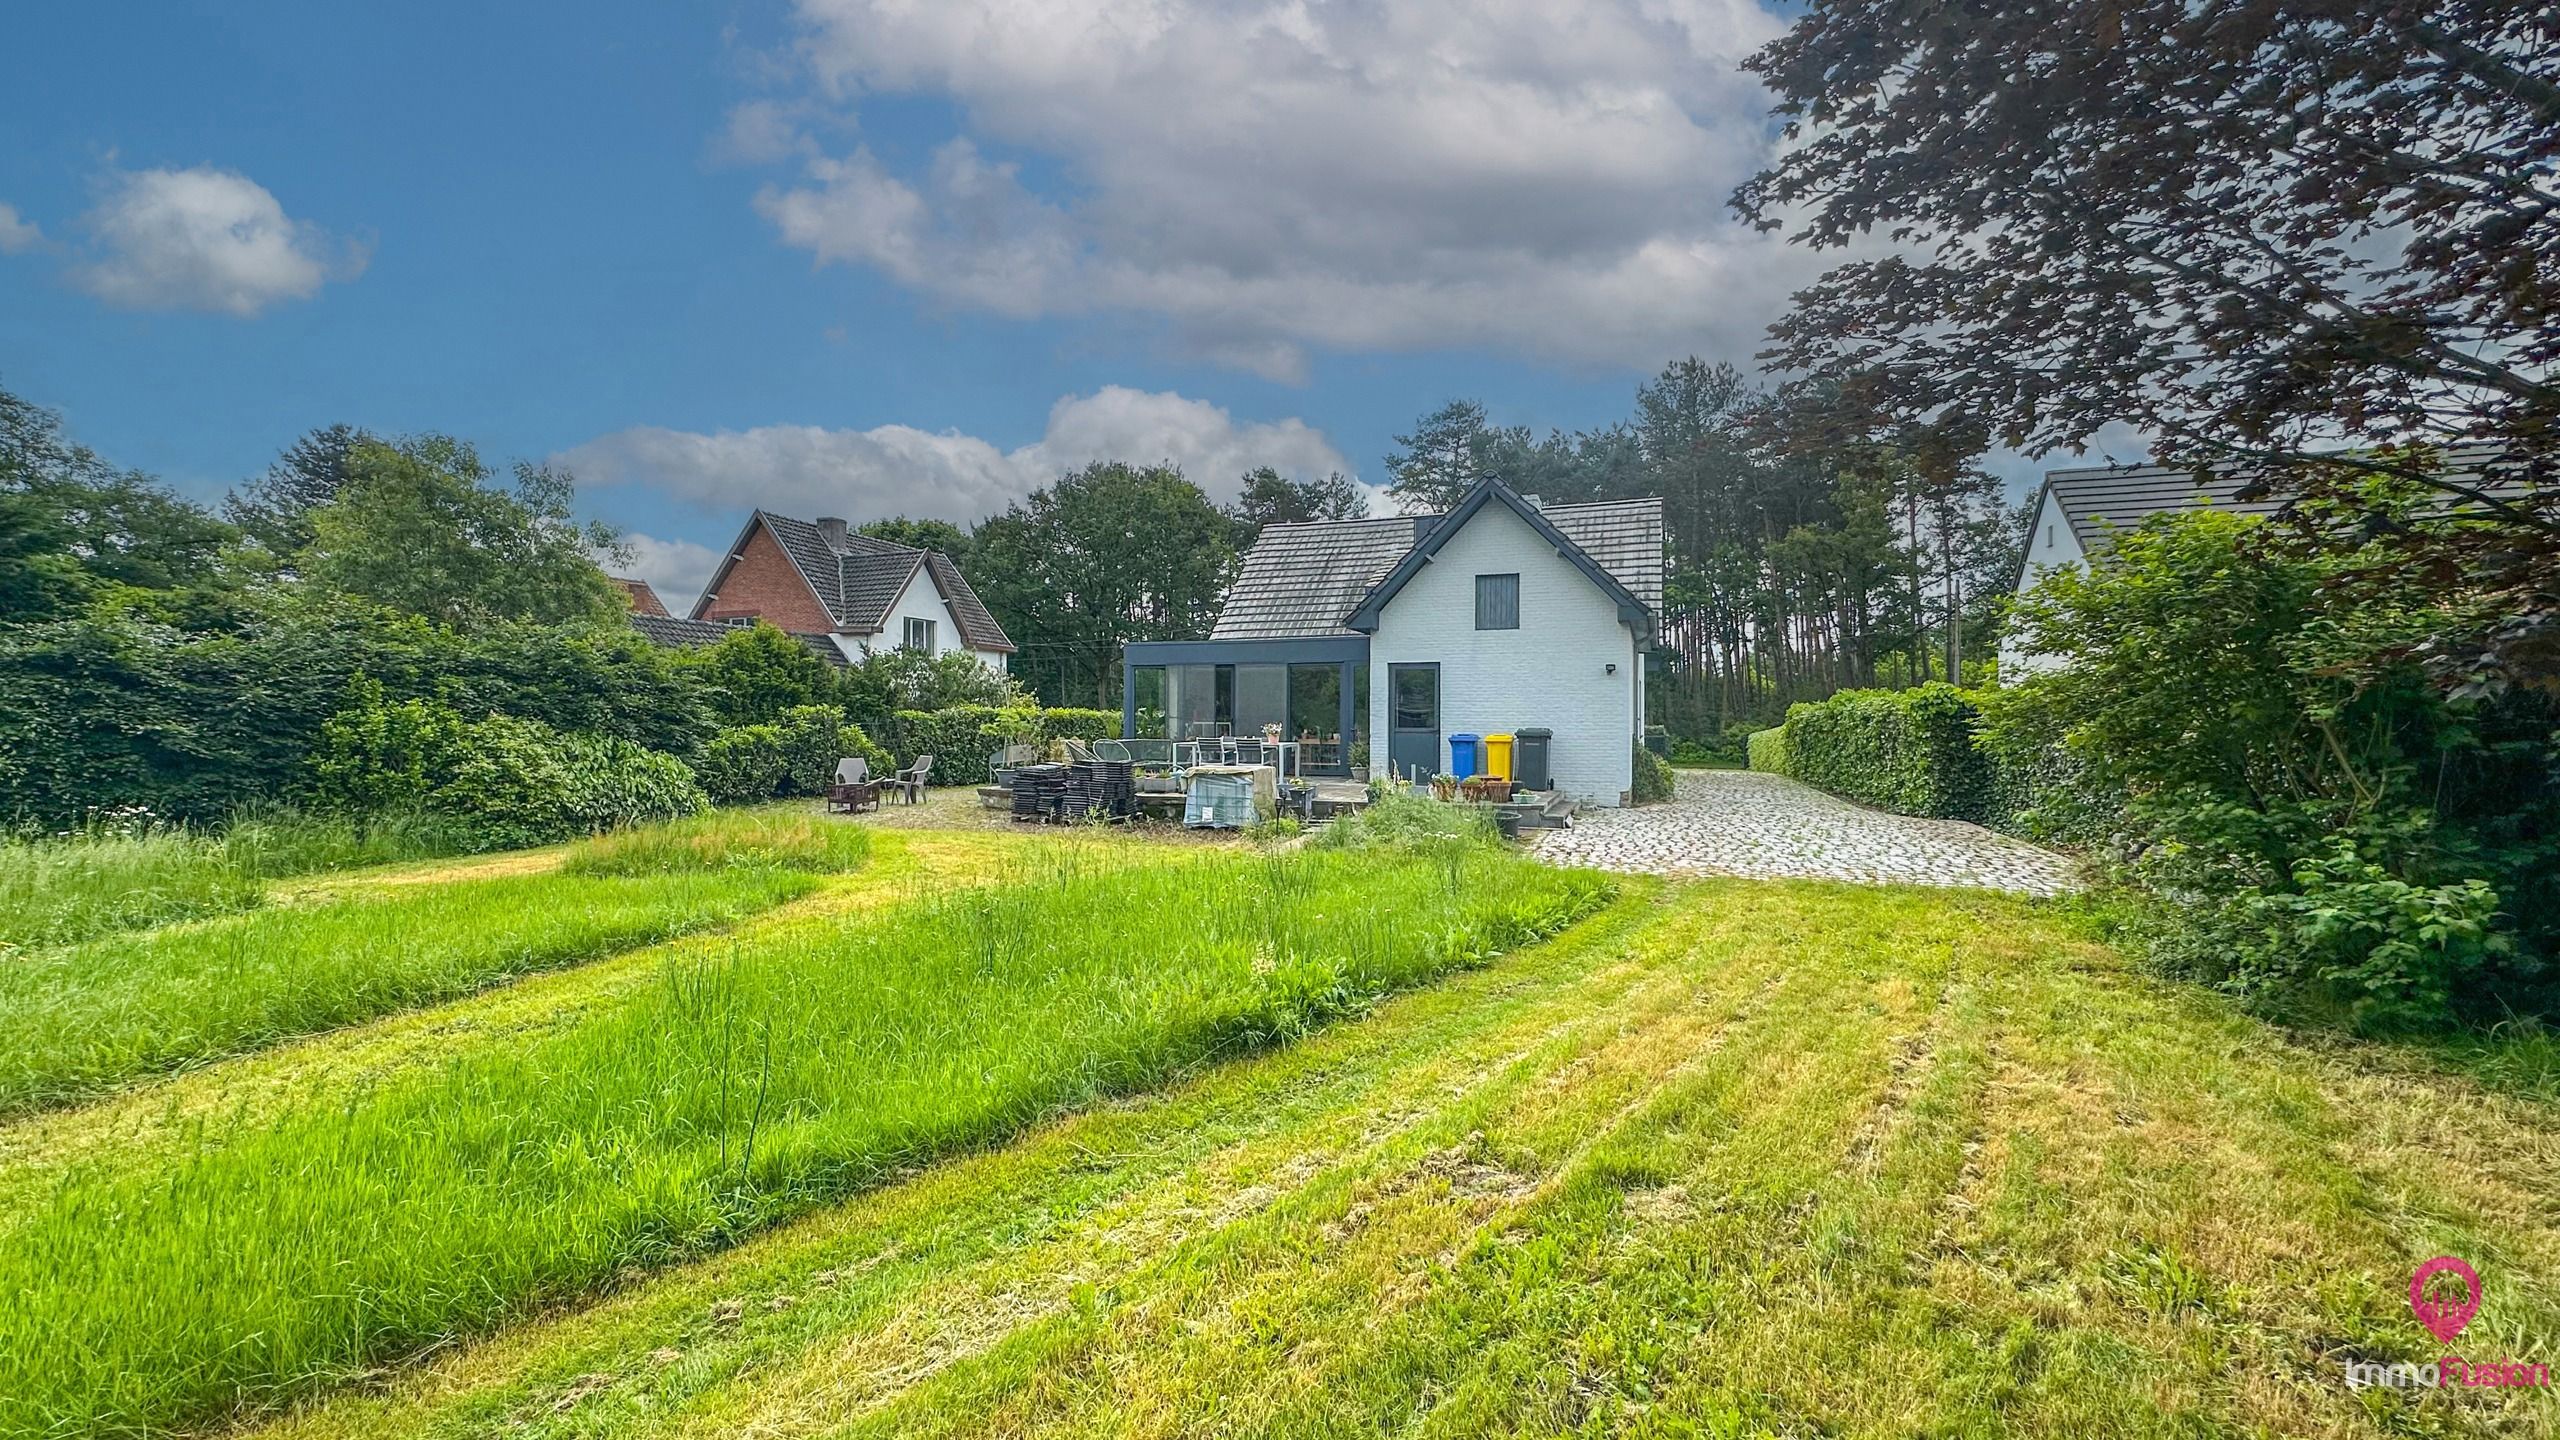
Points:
(1551, 672)
(2050, 546)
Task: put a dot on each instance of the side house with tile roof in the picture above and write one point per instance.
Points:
(842, 593)
(2078, 512)
(1387, 636)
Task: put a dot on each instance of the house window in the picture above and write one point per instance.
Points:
(1497, 602)
(919, 635)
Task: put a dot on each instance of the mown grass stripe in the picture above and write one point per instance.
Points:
(1009, 1210)
(734, 1094)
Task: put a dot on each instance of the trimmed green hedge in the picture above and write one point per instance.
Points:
(957, 739)
(1068, 723)
(1908, 751)
(1653, 779)
(1768, 750)
(962, 737)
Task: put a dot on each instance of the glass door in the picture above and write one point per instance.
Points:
(1413, 737)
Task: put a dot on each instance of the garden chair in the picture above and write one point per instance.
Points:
(854, 791)
(908, 784)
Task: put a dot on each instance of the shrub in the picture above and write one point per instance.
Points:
(744, 765)
(1653, 781)
(1908, 751)
(959, 739)
(2312, 823)
(504, 782)
(375, 757)
(1768, 750)
(814, 739)
(1068, 723)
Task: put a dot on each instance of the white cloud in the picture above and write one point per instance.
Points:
(809, 470)
(17, 234)
(205, 239)
(1267, 174)
(676, 569)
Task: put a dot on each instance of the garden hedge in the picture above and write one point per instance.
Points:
(1767, 750)
(1908, 751)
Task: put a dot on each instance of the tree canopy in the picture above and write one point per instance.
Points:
(1108, 554)
(1271, 498)
(2314, 241)
(421, 526)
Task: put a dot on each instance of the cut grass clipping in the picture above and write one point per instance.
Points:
(77, 1021)
(738, 1091)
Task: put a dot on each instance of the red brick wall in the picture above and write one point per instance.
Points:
(764, 585)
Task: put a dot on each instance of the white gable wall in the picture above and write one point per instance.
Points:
(2050, 547)
(923, 599)
(1551, 672)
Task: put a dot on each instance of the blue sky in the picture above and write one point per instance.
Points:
(863, 257)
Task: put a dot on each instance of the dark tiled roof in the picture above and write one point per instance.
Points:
(1624, 537)
(685, 634)
(644, 600)
(2098, 499)
(1307, 579)
(2094, 500)
(977, 624)
(860, 582)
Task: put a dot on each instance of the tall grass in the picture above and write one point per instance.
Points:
(738, 1091)
(80, 1019)
(774, 839)
(60, 890)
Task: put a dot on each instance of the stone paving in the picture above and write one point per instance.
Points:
(1741, 822)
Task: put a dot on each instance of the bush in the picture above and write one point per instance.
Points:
(505, 782)
(959, 739)
(110, 710)
(2305, 819)
(1653, 781)
(1068, 723)
(1768, 750)
(1908, 751)
(744, 765)
(814, 739)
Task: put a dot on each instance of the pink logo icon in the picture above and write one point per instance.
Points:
(2444, 1316)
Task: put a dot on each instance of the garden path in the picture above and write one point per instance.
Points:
(1742, 822)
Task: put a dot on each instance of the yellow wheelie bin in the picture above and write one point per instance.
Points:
(1497, 756)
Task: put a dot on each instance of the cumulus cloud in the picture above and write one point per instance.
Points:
(676, 569)
(204, 239)
(17, 234)
(863, 475)
(1266, 174)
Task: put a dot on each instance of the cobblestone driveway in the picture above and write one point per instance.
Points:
(1741, 822)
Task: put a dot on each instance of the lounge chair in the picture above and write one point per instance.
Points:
(854, 791)
(908, 784)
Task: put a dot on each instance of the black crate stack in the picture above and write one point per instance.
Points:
(1037, 790)
(1087, 789)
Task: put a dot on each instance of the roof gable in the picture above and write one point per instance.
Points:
(858, 581)
(1633, 611)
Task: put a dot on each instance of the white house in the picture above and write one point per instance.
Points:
(2078, 511)
(1500, 616)
(842, 591)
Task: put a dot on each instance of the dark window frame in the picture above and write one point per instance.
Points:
(1499, 621)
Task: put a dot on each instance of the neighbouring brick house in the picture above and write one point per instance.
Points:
(842, 593)
(644, 599)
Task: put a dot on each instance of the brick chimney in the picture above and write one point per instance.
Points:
(831, 530)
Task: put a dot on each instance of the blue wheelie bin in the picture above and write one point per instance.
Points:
(1463, 753)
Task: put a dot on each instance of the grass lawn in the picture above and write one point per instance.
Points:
(738, 1089)
(1728, 1158)
(79, 1019)
(1721, 1158)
